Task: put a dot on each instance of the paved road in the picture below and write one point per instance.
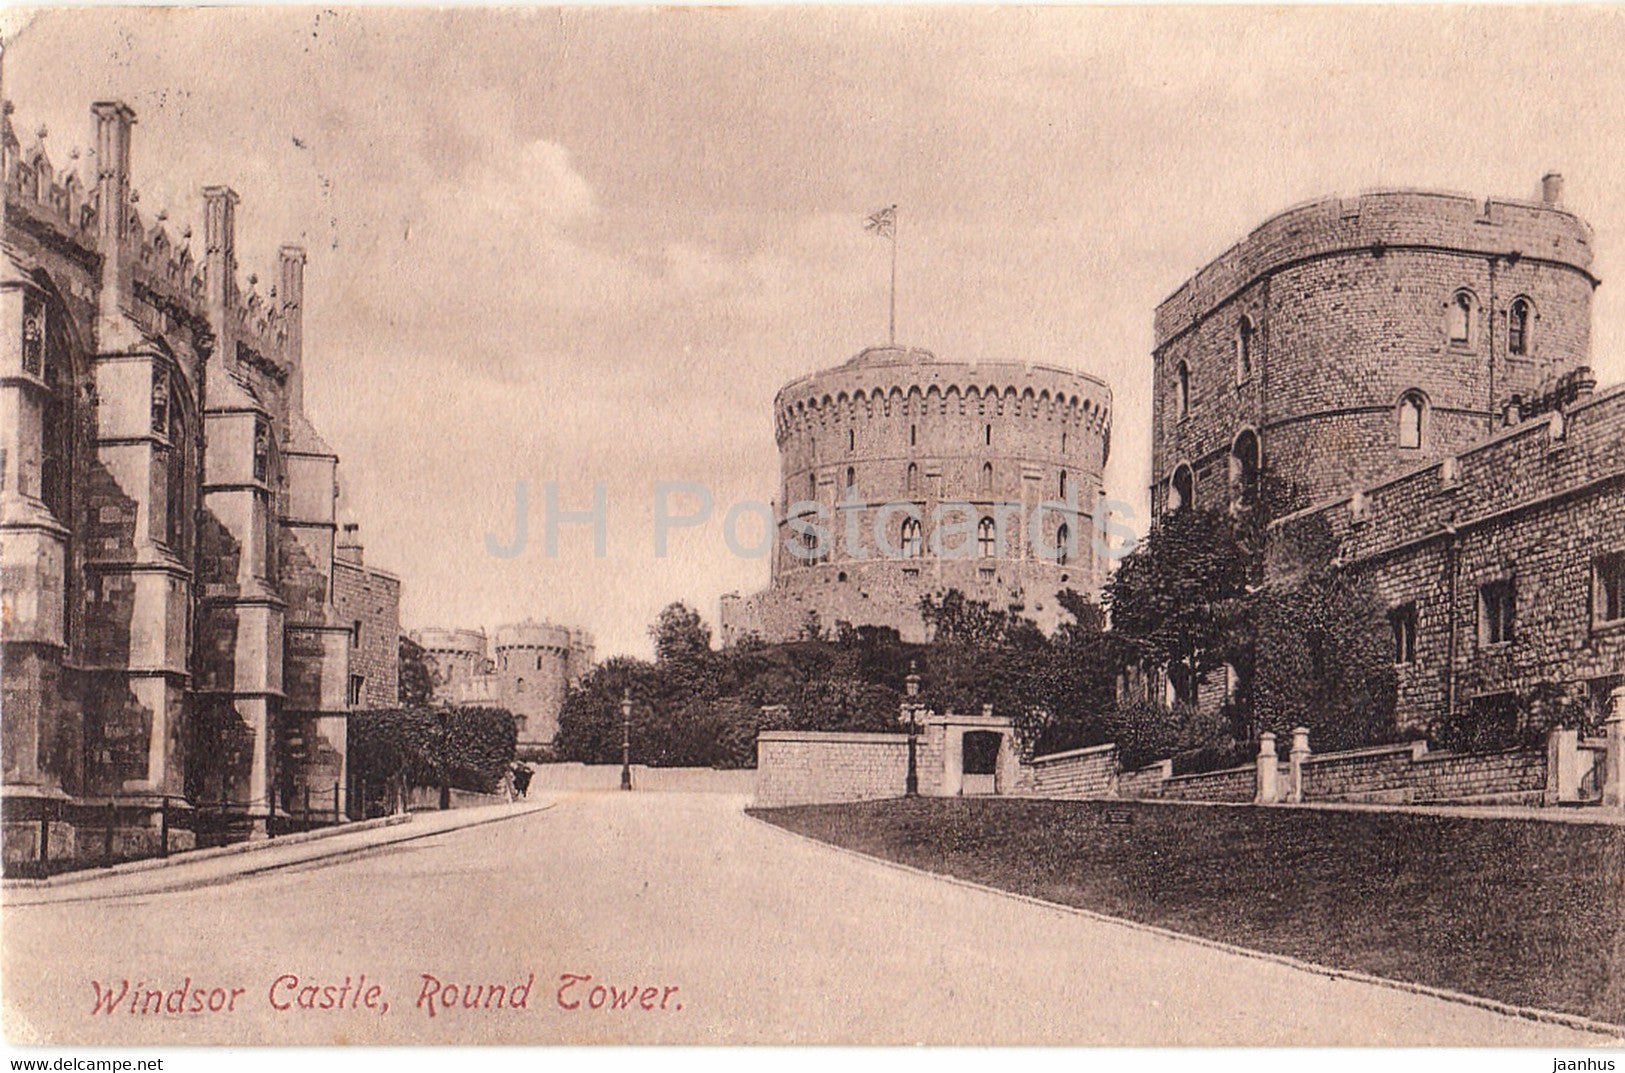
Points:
(721, 929)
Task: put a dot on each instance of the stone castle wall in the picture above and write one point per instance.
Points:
(372, 598)
(1540, 506)
(1348, 306)
(894, 438)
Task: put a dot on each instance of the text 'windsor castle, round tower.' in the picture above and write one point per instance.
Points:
(930, 475)
(1346, 341)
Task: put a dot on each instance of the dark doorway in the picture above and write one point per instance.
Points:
(980, 753)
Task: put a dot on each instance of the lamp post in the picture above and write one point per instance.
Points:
(626, 740)
(910, 717)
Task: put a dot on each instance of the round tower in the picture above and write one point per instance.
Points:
(458, 660)
(536, 663)
(903, 476)
(1343, 342)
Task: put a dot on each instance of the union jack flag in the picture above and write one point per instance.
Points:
(882, 224)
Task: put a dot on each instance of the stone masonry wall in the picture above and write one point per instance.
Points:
(372, 598)
(1231, 784)
(1348, 302)
(807, 767)
(1410, 774)
(1078, 773)
(1540, 505)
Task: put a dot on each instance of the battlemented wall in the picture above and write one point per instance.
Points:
(1347, 306)
(894, 437)
(167, 516)
(1541, 507)
(528, 669)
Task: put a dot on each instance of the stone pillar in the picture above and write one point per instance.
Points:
(953, 761)
(1269, 770)
(1295, 759)
(1562, 766)
(1613, 786)
(113, 122)
(292, 296)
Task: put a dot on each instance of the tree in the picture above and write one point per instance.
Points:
(1175, 598)
(446, 747)
(416, 679)
(680, 635)
(1320, 652)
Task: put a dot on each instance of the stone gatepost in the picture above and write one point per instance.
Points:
(1613, 786)
(1295, 759)
(1269, 770)
(1562, 766)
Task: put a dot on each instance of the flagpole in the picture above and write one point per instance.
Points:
(893, 330)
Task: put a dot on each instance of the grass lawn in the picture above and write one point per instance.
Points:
(1524, 912)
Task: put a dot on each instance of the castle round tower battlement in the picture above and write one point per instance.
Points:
(1347, 340)
(927, 474)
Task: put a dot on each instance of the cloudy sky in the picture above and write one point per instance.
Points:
(590, 245)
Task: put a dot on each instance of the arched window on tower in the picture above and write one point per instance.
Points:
(912, 544)
(851, 476)
(1063, 484)
(1518, 327)
(1244, 350)
(987, 538)
(1063, 540)
(812, 486)
(1413, 407)
(1181, 489)
(987, 476)
(1459, 317)
(1245, 465)
(913, 479)
(1182, 390)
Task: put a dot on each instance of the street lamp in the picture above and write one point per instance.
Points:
(910, 717)
(626, 740)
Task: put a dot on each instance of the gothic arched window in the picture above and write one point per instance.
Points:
(1412, 419)
(987, 538)
(912, 544)
(1182, 489)
(1518, 327)
(1182, 390)
(1063, 538)
(1459, 317)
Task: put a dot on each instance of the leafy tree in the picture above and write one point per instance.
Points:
(416, 680)
(1174, 599)
(681, 637)
(1321, 649)
(447, 747)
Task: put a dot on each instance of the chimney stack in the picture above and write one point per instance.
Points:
(349, 549)
(1551, 189)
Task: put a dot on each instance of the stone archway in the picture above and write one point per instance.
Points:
(968, 754)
